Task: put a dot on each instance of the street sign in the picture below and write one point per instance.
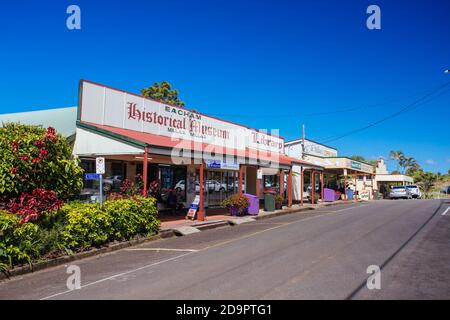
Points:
(100, 165)
(91, 176)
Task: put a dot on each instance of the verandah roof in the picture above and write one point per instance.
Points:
(144, 139)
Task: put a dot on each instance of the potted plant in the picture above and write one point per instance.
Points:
(278, 202)
(237, 204)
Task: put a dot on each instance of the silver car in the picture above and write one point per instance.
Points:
(400, 192)
(415, 191)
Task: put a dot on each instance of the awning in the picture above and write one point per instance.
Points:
(143, 139)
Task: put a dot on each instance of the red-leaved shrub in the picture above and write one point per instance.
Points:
(31, 206)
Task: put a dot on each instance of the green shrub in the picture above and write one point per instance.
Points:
(130, 217)
(18, 242)
(89, 225)
(86, 226)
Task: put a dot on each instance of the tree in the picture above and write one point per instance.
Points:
(357, 158)
(425, 180)
(362, 159)
(410, 165)
(162, 91)
(396, 156)
(32, 157)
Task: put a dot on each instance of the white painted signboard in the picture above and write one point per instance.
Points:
(106, 106)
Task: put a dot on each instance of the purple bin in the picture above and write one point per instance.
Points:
(328, 195)
(253, 208)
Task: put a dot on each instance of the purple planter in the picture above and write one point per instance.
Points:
(329, 195)
(234, 211)
(253, 208)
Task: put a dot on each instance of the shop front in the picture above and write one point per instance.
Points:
(174, 153)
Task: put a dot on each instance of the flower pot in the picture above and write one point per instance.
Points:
(234, 211)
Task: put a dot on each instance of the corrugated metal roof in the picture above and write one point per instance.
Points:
(62, 119)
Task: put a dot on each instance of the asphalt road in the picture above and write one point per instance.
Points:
(321, 254)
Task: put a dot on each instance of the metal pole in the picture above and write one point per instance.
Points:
(144, 172)
(101, 190)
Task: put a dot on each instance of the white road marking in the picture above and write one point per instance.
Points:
(117, 275)
(363, 205)
(161, 249)
(445, 212)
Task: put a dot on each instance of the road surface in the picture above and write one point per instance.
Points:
(321, 254)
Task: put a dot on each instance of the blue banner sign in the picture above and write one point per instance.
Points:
(91, 176)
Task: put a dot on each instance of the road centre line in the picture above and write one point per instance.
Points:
(445, 212)
(191, 252)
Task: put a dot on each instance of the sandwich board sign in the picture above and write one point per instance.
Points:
(193, 209)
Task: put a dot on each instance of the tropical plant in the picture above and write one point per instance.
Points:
(425, 180)
(32, 157)
(18, 242)
(31, 206)
(129, 188)
(396, 156)
(162, 91)
(236, 202)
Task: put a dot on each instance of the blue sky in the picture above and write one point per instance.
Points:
(266, 64)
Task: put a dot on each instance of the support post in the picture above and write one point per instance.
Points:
(302, 180)
(345, 186)
(258, 185)
(289, 186)
(313, 187)
(241, 174)
(281, 182)
(144, 172)
(321, 186)
(201, 212)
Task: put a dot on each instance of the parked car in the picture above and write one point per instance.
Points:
(232, 187)
(415, 191)
(215, 186)
(400, 192)
(180, 186)
(112, 183)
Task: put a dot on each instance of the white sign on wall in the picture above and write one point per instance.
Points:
(106, 106)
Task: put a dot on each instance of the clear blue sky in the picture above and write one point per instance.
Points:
(266, 64)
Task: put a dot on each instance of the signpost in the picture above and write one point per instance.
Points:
(100, 171)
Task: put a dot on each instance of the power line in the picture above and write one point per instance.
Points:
(386, 101)
(419, 102)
